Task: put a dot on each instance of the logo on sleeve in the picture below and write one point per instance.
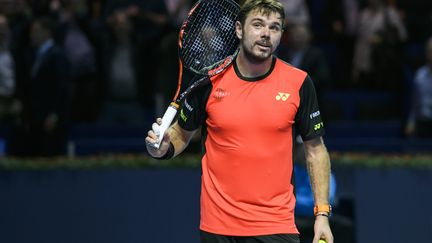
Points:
(189, 107)
(282, 96)
(314, 114)
(183, 116)
(318, 126)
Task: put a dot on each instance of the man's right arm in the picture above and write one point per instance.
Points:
(180, 137)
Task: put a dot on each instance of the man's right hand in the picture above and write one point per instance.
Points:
(153, 138)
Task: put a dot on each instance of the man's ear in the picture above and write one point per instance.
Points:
(239, 30)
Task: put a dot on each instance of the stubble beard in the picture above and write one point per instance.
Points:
(255, 59)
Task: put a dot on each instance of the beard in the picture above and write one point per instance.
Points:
(254, 58)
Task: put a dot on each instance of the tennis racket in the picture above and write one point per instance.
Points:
(207, 46)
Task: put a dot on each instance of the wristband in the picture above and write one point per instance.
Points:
(168, 155)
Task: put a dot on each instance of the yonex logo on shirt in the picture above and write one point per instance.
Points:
(282, 96)
(318, 126)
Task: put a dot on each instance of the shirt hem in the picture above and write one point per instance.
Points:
(250, 232)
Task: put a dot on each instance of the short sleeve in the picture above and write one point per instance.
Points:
(308, 119)
(192, 112)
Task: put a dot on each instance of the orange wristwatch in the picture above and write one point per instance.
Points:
(325, 208)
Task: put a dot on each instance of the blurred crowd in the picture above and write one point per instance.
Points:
(115, 62)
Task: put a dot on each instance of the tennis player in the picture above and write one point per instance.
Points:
(248, 115)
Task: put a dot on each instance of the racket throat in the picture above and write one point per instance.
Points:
(174, 105)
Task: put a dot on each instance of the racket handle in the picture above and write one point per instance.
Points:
(167, 119)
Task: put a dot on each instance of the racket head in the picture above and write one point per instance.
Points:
(207, 35)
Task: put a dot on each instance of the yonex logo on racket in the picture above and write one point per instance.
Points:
(282, 96)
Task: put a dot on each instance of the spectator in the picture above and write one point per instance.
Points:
(153, 23)
(299, 52)
(296, 12)
(167, 68)
(45, 95)
(420, 118)
(417, 15)
(340, 20)
(7, 77)
(121, 64)
(81, 55)
(177, 10)
(342, 16)
(19, 21)
(377, 57)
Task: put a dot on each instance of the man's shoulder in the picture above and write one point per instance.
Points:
(289, 70)
(289, 67)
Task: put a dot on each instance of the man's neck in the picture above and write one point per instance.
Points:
(251, 69)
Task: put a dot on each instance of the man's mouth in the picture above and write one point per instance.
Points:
(264, 44)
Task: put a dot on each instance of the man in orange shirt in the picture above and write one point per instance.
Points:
(248, 115)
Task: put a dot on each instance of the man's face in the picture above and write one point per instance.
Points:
(260, 35)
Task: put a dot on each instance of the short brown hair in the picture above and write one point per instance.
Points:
(265, 6)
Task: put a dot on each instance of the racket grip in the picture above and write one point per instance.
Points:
(167, 119)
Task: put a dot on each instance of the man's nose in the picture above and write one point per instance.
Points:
(265, 32)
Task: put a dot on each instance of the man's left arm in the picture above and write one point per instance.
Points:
(318, 165)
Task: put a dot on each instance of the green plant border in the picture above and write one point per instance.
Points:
(137, 161)
(370, 160)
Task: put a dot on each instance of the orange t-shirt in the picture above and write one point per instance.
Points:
(248, 138)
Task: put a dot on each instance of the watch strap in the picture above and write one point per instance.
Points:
(322, 208)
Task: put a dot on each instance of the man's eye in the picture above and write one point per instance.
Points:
(275, 28)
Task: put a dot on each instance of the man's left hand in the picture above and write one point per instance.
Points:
(322, 230)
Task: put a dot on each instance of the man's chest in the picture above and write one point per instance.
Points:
(268, 104)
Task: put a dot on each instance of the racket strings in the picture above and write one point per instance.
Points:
(209, 35)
